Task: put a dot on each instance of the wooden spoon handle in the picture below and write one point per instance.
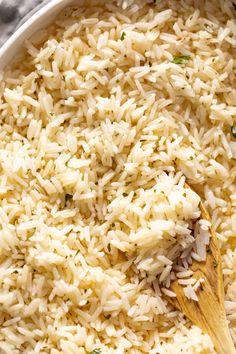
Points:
(216, 323)
(223, 342)
(208, 313)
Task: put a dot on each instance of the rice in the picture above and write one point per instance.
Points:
(100, 129)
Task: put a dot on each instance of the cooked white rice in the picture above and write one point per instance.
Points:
(101, 121)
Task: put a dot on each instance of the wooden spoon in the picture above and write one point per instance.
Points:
(208, 313)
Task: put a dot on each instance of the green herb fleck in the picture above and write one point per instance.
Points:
(96, 351)
(215, 264)
(181, 59)
(122, 37)
(233, 131)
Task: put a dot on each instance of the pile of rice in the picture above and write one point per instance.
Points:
(108, 112)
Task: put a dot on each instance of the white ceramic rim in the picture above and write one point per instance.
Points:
(39, 20)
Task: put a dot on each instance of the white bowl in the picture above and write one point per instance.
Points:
(39, 20)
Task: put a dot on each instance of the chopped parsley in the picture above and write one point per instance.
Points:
(122, 37)
(233, 131)
(96, 351)
(181, 59)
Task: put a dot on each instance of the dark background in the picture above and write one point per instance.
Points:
(12, 12)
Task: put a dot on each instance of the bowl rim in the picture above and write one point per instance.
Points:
(47, 13)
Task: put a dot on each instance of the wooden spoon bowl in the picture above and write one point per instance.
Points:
(208, 312)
